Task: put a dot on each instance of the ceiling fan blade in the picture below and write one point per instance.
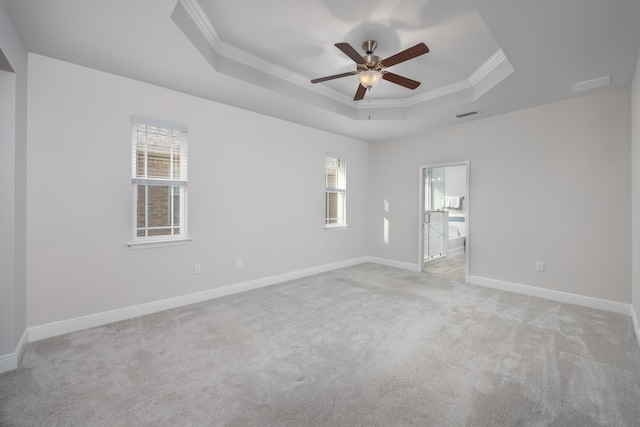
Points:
(405, 55)
(335, 76)
(399, 80)
(348, 50)
(360, 93)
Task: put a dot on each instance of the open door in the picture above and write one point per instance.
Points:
(444, 220)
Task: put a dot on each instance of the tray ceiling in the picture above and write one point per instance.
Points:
(493, 56)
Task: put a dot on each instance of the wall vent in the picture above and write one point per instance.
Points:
(592, 84)
(470, 113)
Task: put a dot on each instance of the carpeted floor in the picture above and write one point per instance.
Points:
(362, 346)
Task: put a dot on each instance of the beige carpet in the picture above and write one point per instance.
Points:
(362, 346)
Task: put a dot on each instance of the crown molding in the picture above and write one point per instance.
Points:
(487, 67)
(495, 69)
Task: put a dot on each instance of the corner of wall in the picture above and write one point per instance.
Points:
(636, 326)
(9, 362)
(635, 197)
(13, 285)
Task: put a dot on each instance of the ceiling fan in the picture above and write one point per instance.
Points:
(370, 68)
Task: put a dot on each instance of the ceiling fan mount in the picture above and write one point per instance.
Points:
(371, 69)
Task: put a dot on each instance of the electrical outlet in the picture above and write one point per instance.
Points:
(238, 262)
(196, 269)
(539, 266)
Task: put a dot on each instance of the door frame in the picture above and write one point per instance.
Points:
(466, 210)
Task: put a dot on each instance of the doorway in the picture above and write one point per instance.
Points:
(444, 220)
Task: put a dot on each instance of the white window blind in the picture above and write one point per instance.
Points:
(159, 151)
(159, 177)
(335, 191)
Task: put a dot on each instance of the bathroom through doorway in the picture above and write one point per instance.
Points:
(444, 220)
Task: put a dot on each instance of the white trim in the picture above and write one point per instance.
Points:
(148, 244)
(495, 69)
(636, 326)
(487, 67)
(162, 182)
(548, 294)
(330, 227)
(199, 17)
(220, 48)
(79, 323)
(393, 263)
(182, 237)
(341, 172)
(465, 211)
(9, 362)
(563, 297)
(492, 65)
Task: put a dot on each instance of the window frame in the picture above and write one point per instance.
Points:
(340, 189)
(141, 242)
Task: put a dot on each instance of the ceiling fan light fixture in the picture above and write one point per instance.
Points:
(369, 78)
(370, 68)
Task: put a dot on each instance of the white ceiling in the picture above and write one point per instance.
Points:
(493, 56)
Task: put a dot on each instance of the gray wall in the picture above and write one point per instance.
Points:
(256, 191)
(13, 143)
(549, 184)
(635, 141)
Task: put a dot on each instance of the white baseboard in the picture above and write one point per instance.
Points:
(9, 362)
(35, 333)
(79, 323)
(392, 263)
(564, 297)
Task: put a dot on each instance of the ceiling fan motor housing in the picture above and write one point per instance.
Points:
(373, 61)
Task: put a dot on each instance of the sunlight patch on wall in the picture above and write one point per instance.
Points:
(386, 231)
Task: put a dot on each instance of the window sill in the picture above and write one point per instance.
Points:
(335, 227)
(148, 244)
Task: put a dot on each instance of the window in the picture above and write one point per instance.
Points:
(159, 177)
(335, 191)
